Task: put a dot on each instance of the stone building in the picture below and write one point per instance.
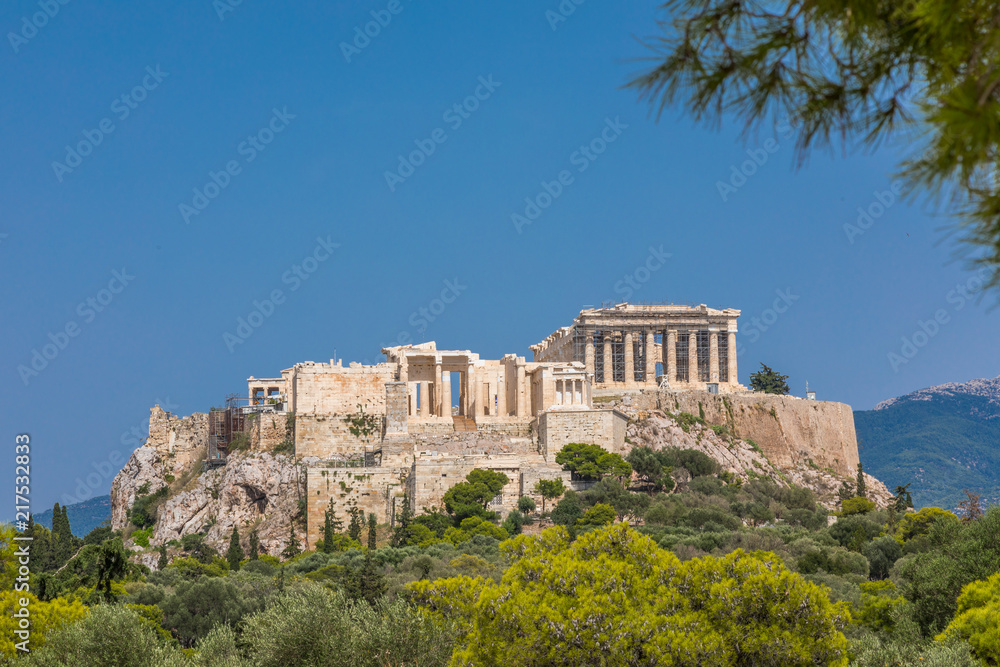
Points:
(631, 346)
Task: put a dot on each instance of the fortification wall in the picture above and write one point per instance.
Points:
(328, 437)
(790, 431)
(322, 389)
(597, 427)
(371, 490)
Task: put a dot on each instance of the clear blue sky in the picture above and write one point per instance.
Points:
(212, 83)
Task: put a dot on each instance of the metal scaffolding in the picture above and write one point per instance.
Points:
(723, 357)
(681, 351)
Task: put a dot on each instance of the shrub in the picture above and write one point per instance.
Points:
(856, 505)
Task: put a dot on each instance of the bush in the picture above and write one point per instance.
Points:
(312, 627)
(882, 553)
(197, 607)
(526, 504)
(976, 620)
(856, 505)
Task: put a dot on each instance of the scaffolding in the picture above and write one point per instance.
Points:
(681, 352)
(723, 358)
(618, 357)
(598, 337)
(704, 348)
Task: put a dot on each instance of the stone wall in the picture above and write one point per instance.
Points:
(267, 430)
(433, 476)
(180, 442)
(790, 431)
(557, 428)
(371, 490)
(336, 390)
(328, 437)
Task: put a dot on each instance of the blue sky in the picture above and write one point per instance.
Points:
(279, 139)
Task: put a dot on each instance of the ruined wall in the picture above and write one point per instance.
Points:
(180, 442)
(328, 437)
(325, 389)
(267, 430)
(372, 490)
(557, 428)
(790, 431)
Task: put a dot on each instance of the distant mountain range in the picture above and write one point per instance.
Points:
(83, 517)
(941, 440)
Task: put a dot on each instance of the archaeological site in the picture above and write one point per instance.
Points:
(416, 424)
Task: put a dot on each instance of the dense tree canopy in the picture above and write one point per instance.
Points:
(592, 461)
(852, 71)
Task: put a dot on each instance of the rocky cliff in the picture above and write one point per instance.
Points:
(254, 490)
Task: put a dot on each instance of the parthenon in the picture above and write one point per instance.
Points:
(631, 346)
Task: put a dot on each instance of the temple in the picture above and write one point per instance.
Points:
(631, 346)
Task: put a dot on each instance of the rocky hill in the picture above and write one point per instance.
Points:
(940, 440)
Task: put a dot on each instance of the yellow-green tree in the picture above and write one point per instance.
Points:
(613, 597)
(44, 618)
(978, 619)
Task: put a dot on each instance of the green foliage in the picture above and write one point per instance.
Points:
(472, 526)
(860, 485)
(614, 597)
(372, 532)
(919, 523)
(769, 381)
(399, 534)
(235, 553)
(976, 620)
(363, 425)
(856, 505)
(882, 553)
(367, 582)
(652, 469)
(526, 504)
(292, 549)
(143, 511)
(162, 562)
(195, 544)
(568, 510)
(471, 497)
(198, 606)
(592, 462)
(879, 649)
(846, 71)
(549, 489)
(254, 552)
(313, 627)
(598, 515)
(686, 420)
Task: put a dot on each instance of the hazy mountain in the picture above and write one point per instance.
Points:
(943, 439)
(83, 517)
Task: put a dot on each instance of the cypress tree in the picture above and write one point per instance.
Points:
(235, 553)
(405, 518)
(163, 562)
(372, 534)
(354, 531)
(62, 536)
(861, 486)
(292, 549)
(328, 531)
(367, 582)
(254, 545)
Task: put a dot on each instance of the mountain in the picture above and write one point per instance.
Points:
(83, 517)
(942, 440)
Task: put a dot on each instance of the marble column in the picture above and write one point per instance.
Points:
(670, 359)
(731, 355)
(521, 392)
(713, 356)
(692, 356)
(609, 372)
(588, 354)
(446, 394)
(650, 357)
(425, 399)
(438, 403)
(629, 360)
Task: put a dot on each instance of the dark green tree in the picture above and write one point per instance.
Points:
(549, 489)
(254, 545)
(769, 381)
(592, 462)
(162, 563)
(235, 553)
(112, 564)
(471, 497)
(366, 582)
(372, 533)
(902, 500)
(652, 468)
(292, 549)
(198, 606)
(852, 73)
(328, 531)
(860, 486)
(404, 520)
(354, 528)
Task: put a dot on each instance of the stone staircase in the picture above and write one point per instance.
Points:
(464, 424)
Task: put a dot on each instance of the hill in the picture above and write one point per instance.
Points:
(83, 517)
(941, 439)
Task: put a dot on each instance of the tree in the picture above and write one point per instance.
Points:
(366, 582)
(354, 529)
(970, 508)
(112, 563)
(613, 597)
(598, 515)
(254, 545)
(976, 619)
(162, 563)
(526, 504)
(405, 518)
(198, 606)
(549, 489)
(471, 497)
(652, 469)
(372, 533)
(902, 500)
(860, 486)
(235, 553)
(292, 549)
(592, 462)
(769, 381)
(328, 531)
(857, 73)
